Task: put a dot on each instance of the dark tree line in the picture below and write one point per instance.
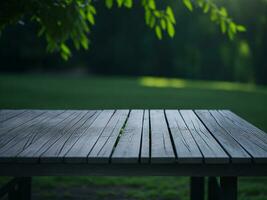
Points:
(121, 45)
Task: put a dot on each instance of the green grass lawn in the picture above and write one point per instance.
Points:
(61, 92)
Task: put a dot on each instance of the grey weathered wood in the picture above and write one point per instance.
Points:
(102, 150)
(25, 136)
(185, 145)
(161, 145)
(244, 125)
(25, 117)
(255, 147)
(9, 114)
(231, 146)
(145, 146)
(57, 151)
(58, 127)
(211, 150)
(81, 149)
(93, 136)
(129, 144)
(21, 131)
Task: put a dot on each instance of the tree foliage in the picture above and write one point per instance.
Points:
(62, 20)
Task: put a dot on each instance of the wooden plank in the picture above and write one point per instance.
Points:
(26, 134)
(81, 149)
(211, 150)
(145, 148)
(232, 147)
(20, 131)
(8, 114)
(244, 125)
(15, 123)
(58, 128)
(58, 150)
(161, 145)
(129, 144)
(185, 145)
(102, 150)
(255, 147)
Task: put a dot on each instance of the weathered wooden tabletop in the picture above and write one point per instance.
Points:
(185, 138)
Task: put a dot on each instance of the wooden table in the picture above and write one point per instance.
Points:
(195, 143)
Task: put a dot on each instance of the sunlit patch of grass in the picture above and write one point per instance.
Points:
(191, 84)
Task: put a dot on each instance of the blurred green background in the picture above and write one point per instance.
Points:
(121, 44)
(127, 67)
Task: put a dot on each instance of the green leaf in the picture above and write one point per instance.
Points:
(152, 4)
(84, 41)
(188, 4)
(157, 13)
(91, 18)
(128, 3)
(158, 32)
(65, 51)
(65, 48)
(223, 26)
(163, 24)
(170, 29)
(147, 16)
(64, 56)
(92, 9)
(213, 15)
(152, 21)
(223, 12)
(232, 27)
(200, 3)
(120, 2)
(109, 3)
(230, 34)
(170, 14)
(206, 8)
(241, 28)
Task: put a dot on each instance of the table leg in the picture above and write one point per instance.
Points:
(21, 190)
(197, 188)
(228, 188)
(213, 189)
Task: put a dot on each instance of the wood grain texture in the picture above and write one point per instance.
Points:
(102, 150)
(231, 146)
(211, 150)
(27, 134)
(10, 125)
(185, 145)
(244, 125)
(129, 144)
(57, 151)
(161, 145)
(145, 145)
(9, 114)
(255, 147)
(22, 130)
(47, 137)
(137, 137)
(82, 148)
